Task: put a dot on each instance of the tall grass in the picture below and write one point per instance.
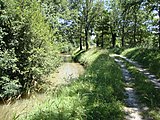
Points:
(150, 58)
(96, 95)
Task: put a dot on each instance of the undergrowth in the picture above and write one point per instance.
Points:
(149, 58)
(96, 95)
(116, 50)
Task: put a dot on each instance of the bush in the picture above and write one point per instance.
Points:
(27, 51)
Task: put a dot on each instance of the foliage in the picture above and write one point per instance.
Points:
(102, 27)
(65, 47)
(129, 23)
(62, 16)
(26, 48)
(135, 22)
(97, 93)
(150, 58)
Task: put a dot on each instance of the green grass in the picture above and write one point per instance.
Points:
(149, 58)
(116, 50)
(147, 93)
(96, 95)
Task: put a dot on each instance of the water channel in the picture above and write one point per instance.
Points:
(62, 75)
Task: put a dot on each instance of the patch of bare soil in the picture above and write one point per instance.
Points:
(132, 108)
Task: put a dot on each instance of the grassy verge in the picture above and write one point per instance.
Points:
(147, 93)
(96, 95)
(116, 50)
(149, 58)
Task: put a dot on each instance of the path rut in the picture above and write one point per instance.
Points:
(131, 109)
(141, 69)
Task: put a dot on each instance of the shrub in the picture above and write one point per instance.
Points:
(27, 51)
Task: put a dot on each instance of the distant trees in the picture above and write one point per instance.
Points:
(88, 11)
(137, 22)
(102, 27)
(125, 23)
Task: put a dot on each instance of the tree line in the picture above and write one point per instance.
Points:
(33, 32)
(125, 23)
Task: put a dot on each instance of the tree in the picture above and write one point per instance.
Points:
(27, 51)
(102, 27)
(88, 12)
(144, 10)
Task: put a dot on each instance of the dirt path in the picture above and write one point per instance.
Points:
(131, 109)
(62, 75)
(141, 69)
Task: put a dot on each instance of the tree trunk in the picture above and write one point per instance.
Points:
(135, 28)
(86, 23)
(83, 41)
(122, 39)
(80, 40)
(97, 40)
(97, 43)
(80, 45)
(123, 26)
(159, 26)
(140, 37)
(86, 38)
(113, 39)
(102, 42)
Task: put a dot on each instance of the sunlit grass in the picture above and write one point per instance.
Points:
(97, 94)
(91, 55)
(128, 51)
(149, 58)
